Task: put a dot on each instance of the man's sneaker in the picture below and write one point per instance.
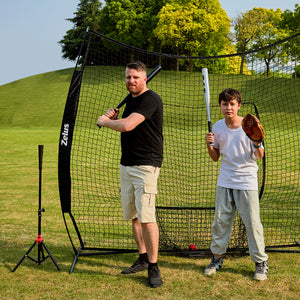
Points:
(154, 277)
(261, 271)
(214, 266)
(138, 266)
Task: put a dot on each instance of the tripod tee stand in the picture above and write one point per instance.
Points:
(39, 240)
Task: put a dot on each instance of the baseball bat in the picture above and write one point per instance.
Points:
(153, 73)
(207, 97)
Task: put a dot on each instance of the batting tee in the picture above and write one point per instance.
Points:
(89, 157)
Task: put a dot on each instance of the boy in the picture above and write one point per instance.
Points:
(237, 186)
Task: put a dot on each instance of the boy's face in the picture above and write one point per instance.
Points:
(230, 108)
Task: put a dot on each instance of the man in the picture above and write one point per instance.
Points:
(142, 155)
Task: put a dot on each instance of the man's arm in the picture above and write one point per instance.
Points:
(121, 125)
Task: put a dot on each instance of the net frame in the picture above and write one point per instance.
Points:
(95, 87)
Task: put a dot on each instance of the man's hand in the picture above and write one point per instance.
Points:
(112, 113)
(101, 121)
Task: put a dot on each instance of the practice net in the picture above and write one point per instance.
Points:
(89, 157)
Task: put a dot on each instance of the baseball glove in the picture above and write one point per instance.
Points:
(253, 128)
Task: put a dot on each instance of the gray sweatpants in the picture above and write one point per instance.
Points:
(247, 204)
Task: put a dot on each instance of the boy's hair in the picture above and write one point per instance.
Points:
(137, 65)
(229, 94)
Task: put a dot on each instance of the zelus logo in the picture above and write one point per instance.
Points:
(65, 135)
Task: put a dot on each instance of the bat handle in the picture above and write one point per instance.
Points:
(209, 126)
(209, 129)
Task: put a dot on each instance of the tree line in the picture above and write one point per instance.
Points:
(187, 28)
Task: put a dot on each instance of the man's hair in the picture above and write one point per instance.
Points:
(137, 65)
(230, 94)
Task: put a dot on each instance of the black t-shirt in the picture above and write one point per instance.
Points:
(144, 144)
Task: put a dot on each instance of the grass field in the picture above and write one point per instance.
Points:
(30, 114)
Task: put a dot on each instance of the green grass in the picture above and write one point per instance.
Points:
(30, 114)
(36, 101)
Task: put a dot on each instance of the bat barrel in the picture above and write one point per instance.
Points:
(206, 92)
(207, 97)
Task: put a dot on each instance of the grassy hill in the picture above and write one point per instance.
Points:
(36, 101)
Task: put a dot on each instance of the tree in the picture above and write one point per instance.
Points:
(193, 27)
(131, 22)
(246, 25)
(87, 16)
(270, 32)
(291, 23)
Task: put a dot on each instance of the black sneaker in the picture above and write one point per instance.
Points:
(138, 266)
(214, 266)
(261, 271)
(154, 277)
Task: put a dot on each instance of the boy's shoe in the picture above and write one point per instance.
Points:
(214, 266)
(139, 265)
(154, 277)
(261, 271)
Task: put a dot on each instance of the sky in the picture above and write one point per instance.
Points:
(31, 29)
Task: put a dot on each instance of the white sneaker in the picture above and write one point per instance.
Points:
(214, 266)
(261, 271)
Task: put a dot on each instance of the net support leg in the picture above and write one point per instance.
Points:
(75, 260)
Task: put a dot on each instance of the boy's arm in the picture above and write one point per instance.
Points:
(259, 150)
(213, 153)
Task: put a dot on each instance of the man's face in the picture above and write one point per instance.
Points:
(135, 81)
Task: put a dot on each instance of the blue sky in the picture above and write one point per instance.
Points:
(30, 31)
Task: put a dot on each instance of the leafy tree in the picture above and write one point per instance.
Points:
(131, 22)
(246, 25)
(291, 20)
(291, 23)
(270, 32)
(193, 27)
(87, 16)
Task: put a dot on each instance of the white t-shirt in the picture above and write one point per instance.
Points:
(238, 168)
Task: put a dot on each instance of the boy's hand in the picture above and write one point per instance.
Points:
(213, 152)
(209, 137)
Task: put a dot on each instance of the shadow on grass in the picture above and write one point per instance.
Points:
(106, 264)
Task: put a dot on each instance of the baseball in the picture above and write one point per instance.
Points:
(192, 247)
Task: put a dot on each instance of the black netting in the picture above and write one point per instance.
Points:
(187, 182)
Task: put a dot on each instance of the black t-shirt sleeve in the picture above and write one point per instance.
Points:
(146, 107)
